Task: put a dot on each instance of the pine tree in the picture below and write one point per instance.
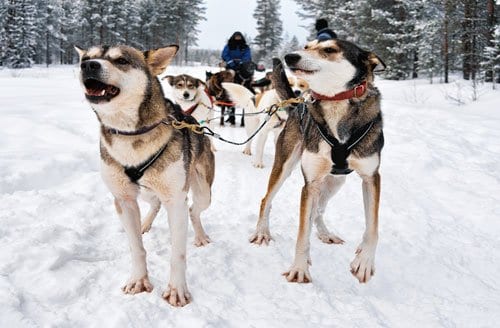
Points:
(269, 29)
(491, 61)
(3, 38)
(20, 33)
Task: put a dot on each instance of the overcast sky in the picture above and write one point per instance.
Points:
(225, 17)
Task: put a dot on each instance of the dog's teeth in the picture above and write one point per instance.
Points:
(103, 92)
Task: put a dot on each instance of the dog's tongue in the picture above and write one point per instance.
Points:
(99, 92)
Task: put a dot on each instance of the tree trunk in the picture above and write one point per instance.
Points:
(467, 40)
(489, 32)
(446, 45)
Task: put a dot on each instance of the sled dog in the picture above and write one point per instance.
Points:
(141, 151)
(244, 98)
(191, 95)
(338, 131)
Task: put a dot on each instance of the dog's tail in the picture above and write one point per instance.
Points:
(241, 96)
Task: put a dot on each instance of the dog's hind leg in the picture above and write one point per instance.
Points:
(330, 187)
(261, 142)
(201, 201)
(252, 124)
(222, 113)
(154, 208)
(285, 160)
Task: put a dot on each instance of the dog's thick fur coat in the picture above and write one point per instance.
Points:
(121, 86)
(330, 67)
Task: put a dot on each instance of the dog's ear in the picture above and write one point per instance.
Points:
(208, 75)
(158, 59)
(80, 51)
(169, 78)
(376, 63)
(200, 84)
(280, 81)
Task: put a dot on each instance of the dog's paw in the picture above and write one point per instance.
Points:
(261, 236)
(258, 165)
(201, 240)
(145, 227)
(177, 296)
(299, 274)
(135, 286)
(363, 265)
(330, 238)
(247, 152)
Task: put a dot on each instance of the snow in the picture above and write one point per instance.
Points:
(64, 255)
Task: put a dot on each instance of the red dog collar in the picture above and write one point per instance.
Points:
(358, 91)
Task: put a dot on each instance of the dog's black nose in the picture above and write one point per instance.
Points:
(297, 93)
(90, 65)
(186, 95)
(292, 59)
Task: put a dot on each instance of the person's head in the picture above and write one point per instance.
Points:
(237, 40)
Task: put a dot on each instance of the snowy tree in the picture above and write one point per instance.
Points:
(491, 62)
(48, 21)
(3, 38)
(290, 44)
(20, 33)
(269, 29)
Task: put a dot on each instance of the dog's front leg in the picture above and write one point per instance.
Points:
(363, 265)
(128, 211)
(177, 293)
(299, 272)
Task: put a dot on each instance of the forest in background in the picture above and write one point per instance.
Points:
(415, 38)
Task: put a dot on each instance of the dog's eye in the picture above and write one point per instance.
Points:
(190, 86)
(121, 61)
(179, 85)
(330, 50)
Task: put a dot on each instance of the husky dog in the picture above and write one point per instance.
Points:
(340, 130)
(244, 98)
(190, 93)
(215, 89)
(142, 151)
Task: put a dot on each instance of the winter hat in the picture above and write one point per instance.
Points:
(323, 32)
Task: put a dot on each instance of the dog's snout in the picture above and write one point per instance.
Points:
(297, 93)
(185, 95)
(292, 58)
(90, 65)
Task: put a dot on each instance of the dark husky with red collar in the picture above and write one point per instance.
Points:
(338, 131)
(141, 151)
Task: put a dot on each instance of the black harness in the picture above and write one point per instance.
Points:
(340, 151)
(136, 172)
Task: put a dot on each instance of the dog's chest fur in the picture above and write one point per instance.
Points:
(342, 119)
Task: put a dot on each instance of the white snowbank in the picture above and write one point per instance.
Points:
(64, 255)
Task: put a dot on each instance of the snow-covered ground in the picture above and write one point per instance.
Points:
(64, 255)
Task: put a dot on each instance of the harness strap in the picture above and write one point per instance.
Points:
(190, 110)
(280, 121)
(136, 172)
(340, 151)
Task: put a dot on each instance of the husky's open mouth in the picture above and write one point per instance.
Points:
(96, 91)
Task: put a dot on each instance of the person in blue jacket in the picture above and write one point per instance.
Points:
(238, 57)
